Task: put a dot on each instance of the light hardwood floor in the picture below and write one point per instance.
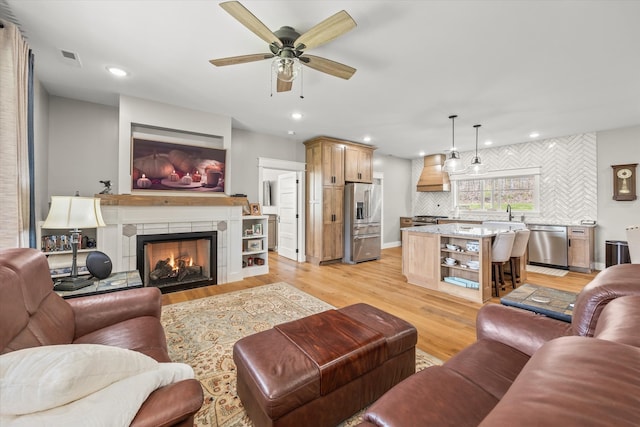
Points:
(445, 324)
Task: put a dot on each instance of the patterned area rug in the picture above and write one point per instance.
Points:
(202, 332)
(546, 270)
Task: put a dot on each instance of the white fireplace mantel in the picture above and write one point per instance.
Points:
(125, 222)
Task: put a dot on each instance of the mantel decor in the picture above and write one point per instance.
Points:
(624, 182)
(164, 166)
(255, 209)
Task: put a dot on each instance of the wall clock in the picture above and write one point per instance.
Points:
(624, 182)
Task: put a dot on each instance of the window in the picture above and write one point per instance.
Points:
(494, 191)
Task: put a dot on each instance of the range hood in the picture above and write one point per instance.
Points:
(433, 178)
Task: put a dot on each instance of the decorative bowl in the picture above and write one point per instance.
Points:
(450, 261)
(472, 265)
(473, 246)
(453, 247)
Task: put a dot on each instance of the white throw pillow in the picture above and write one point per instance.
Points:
(40, 378)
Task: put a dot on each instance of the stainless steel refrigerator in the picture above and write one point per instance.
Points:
(362, 212)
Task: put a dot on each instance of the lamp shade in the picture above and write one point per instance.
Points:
(74, 212)
(477, 167)
(453, 164)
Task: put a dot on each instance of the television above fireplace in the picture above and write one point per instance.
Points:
(166, 166)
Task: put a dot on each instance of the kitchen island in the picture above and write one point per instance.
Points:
(425, 248)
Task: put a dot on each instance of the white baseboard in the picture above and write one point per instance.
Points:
(391, 245)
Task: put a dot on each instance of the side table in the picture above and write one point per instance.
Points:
(115, 282)
(550, 302)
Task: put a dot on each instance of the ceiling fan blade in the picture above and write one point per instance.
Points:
(328, 66)
(327, 30)
(283, 86)
(249, 20)
(232, 60)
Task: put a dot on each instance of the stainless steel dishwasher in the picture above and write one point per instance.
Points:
(548, 245)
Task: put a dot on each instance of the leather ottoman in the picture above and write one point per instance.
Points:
(321, 369)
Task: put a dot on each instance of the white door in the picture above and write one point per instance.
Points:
(287, 215)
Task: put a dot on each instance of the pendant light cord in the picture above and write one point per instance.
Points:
(476, 126)
(453, 133)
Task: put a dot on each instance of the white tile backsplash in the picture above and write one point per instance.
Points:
(568, 184)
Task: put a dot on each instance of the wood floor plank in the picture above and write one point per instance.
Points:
(445, 324)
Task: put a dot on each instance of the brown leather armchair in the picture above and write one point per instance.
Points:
(31, 315)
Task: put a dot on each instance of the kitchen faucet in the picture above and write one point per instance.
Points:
(509, 212)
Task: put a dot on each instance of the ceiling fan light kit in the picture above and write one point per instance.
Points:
(286, 69)
(288, 46)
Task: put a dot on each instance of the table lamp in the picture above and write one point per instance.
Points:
(74, 213)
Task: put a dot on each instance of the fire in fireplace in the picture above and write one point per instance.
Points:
(177, 261)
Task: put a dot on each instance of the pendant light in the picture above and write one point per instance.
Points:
(453, 164)
(477, 167)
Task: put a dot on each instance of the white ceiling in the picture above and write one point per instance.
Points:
(555, 67)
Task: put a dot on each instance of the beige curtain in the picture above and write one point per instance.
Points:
(14, 160)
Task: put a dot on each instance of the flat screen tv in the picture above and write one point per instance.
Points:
(166, 166)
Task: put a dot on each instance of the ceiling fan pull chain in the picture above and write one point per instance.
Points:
(271, 74)
(301, 84)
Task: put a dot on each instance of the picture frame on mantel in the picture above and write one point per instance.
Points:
(167, 166)
(255, 209)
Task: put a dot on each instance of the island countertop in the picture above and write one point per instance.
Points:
(465, 230)
(425, 248)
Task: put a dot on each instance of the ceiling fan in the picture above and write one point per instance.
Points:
(288, 46)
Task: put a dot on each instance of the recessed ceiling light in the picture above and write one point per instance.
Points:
(296, 116)
(488, 142)
(291, 132)
(422, 153)
(367, 139)
(534, 135)
(119, 72)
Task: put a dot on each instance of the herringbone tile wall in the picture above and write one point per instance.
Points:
(568, 181)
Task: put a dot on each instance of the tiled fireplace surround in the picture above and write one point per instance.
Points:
(124, 223)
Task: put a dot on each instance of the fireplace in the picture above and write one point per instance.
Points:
(177, 261)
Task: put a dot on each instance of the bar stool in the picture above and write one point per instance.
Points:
(501, 253)
(519, 248)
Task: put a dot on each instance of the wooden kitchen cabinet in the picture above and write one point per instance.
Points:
(333, 229)
(332, 164)
(405, 221)
(358, 164)
(581, 248)
(421, 258)
(424, 252)
(326, 175)
(324, 199)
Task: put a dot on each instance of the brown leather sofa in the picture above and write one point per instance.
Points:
(530, 370)
(31, 314)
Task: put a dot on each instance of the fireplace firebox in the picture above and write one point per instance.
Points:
(177, 261)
